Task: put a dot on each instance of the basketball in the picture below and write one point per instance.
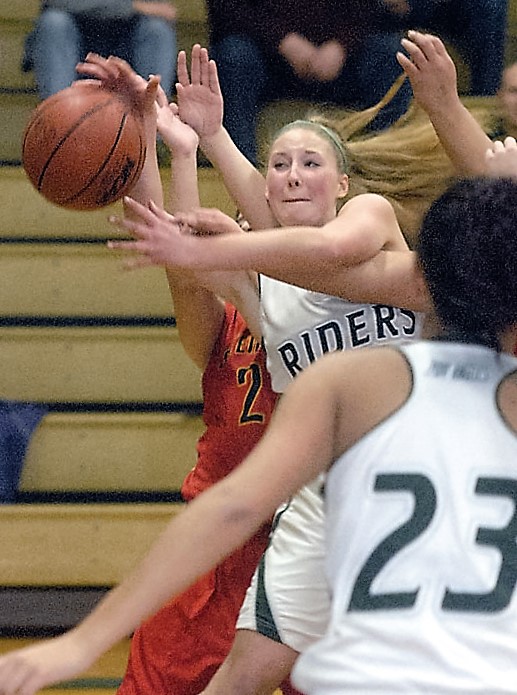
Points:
(84, 147)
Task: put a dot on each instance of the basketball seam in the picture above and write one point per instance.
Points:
(76, 125)
(101, 168)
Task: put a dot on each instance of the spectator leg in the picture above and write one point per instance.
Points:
(154, 49)
(57, 47)
(243, 75)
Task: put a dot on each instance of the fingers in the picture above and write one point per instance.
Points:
(135, 208)
(161, 98)
(195, 64)
(142, 218)
(423, 48)
(182, 70)
(204, 67)
(213, 77)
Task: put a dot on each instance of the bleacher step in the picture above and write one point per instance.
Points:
(26, 214)
(77, 280)
(119, 452)
(122, 364)
(76, 544)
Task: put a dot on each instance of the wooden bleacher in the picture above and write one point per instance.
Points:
(17, 89)
(98, 346)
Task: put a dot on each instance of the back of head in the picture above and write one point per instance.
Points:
(468, 253)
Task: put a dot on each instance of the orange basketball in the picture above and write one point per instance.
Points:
(83, 147)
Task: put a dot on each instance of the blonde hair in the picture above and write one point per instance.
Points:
(406, 162)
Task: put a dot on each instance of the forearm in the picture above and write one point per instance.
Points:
(149, 185)
(199, 315)
(462, 138)
(187, 549)
(184, 188)
(244, 182)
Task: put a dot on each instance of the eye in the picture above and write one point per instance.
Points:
(279, 165)
(310, 163)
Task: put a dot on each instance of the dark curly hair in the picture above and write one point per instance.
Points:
(467, 250)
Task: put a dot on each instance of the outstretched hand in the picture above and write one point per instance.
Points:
(159, 238)
(208, 221)
(199, 95)
(501, 159)
(430, 69)
(26, 671)
(118, 76)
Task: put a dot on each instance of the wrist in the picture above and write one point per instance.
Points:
(210, 144)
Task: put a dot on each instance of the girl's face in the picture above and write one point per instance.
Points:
(303, 181)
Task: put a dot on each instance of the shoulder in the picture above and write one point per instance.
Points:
(359, 371)
(371, 203)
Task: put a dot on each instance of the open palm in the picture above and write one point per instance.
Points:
(200, 101)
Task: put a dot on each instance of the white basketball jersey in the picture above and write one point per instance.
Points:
(421, 534)
(299, 326)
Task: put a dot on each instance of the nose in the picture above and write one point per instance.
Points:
(294, 178)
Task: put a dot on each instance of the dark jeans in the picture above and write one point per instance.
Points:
(60, 40)
(249, 80)
(476, 27)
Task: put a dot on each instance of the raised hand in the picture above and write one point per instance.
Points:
(430, 69)
(199, 95)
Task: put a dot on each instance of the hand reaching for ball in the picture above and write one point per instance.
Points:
(116, 75)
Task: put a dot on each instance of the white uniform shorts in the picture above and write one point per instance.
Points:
(288, 599)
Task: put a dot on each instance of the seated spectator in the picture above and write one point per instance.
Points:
(142, 32)
(477, 28)
(323, 52)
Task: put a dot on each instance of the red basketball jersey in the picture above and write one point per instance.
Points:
(238, 403)
(178, 650)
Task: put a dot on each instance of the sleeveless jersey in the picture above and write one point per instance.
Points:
(179, 649)
(237, 404)
(299, 326)
(421, 526)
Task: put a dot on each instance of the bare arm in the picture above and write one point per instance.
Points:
(201, 106)
(198, 309)
(306, 435)
(432, 73)
(318, 258)
(210, 527)
(199, 313)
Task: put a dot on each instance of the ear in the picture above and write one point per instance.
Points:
(343, 186)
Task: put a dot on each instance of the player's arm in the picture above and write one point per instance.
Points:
(318, 258)
(201, 106)
(210, 527)
(198, 308)
(199, 313)
(432, 74)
